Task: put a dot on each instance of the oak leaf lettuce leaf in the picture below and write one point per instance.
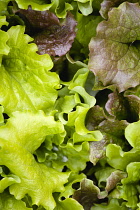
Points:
(114, 52)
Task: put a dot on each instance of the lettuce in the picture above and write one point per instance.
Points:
(120, 32)
(69, 105)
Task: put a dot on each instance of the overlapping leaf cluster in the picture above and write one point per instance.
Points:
(69, 105)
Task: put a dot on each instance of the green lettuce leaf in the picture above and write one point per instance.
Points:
(119, 159)
(86, 23)
(1, 115)
(112, 205)
(25, 74)
(3, 21)
(129, 193)
(7, 180)
(85, 6)
(8, 202)
(4, 48)
(17, 155)
(68, 203)
(132, 133)
(114, 52)
(58, 7)
(65, 155)
(3, 7)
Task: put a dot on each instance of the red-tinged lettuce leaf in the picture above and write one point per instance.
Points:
(114, 52)
(87, 194)
(112, 130)
(129, 190)
(51, 36)
(114, 179)
(133, 97)
(108, 178)
(117, 106)
(38, 19)
(57, 40)
(107, 5)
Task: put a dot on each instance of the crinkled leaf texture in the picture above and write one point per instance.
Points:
(50, 36)
(114, 52)
(26, 83)
(72, 106)
(58, 7)
(85, 6)
(19, 138)
(107, 5)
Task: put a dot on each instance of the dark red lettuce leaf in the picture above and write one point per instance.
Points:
(51, 36)
(39, 19)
